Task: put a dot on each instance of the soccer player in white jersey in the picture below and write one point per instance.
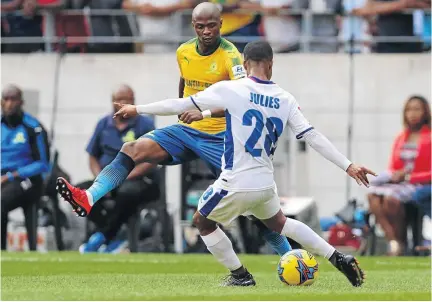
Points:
(257, 111)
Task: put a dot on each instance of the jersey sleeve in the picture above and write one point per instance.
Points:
(234, 65)
(212, 97)
(297, 122)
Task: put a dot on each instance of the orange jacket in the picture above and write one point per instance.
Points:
(422, 164)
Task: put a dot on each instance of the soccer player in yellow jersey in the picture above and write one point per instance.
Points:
(203, 61)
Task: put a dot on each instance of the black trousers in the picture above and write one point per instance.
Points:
(15, 194)
(126, 198)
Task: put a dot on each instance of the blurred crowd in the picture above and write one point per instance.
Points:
(327, 26)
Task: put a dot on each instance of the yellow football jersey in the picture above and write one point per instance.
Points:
(200, 72)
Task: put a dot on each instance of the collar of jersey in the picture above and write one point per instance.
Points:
(211, 51)
(255, 79)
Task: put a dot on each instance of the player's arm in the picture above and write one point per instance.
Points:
(181, 87)
(301, 127)
(235, 71)
(211, 98)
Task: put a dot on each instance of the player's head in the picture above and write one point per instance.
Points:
(207, 22)
(123, 95)
(11, 102)
(258, 54)
(416, 113)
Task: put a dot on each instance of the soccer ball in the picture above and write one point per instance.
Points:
(298, 267)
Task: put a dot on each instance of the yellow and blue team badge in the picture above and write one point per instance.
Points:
(19, 138)
(213, 68)
(129, 136)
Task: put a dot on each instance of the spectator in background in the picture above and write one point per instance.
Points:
(157, 20)
(392, 22)
(355, 28)
(410, 168)
(238, 24)
(281, 30)
(67, 25)
(109, 136)
(20, 20)
(109, 26)
(326, 25)
(24, 158)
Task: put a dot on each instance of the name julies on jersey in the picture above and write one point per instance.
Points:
(264, 100)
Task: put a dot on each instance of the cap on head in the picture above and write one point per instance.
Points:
(258, 51)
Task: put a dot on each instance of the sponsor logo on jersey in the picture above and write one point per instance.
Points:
(238, 72)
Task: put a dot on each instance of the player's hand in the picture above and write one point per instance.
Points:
(125, 110)
(359, 173)
(398, 176)
(191, 116)
(4, 179)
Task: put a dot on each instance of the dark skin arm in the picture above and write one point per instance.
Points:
(374, 7)
(157, 11)
(11, 6)
(181, 87)
(195, 115)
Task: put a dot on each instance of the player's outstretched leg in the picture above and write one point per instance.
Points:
(278, 242)
(304, 235)
(220, 246)
(112, 175)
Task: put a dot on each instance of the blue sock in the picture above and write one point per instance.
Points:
(111, 176)
(278, 242)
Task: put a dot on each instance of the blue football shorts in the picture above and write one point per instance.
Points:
(184, 144)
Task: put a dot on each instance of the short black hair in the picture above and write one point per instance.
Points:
(258, 51)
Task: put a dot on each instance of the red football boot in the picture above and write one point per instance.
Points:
(76, 197)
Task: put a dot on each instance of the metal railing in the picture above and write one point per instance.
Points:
(306, 37)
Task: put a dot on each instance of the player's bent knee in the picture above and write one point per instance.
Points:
(144, 150)
(276, 223)
(205, 226)
(128, 149)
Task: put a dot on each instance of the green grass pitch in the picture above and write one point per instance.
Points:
(70, 276)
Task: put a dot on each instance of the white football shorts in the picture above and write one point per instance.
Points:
(222, 206)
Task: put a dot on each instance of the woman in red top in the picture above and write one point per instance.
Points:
(410, 167)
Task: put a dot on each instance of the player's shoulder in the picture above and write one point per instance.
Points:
(225, 85)
(30, 121)
(187, 46)
(287, 97)
(104, 121)
(227, 46)
(229, 49)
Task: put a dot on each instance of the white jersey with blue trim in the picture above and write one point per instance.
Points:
(256, 114)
